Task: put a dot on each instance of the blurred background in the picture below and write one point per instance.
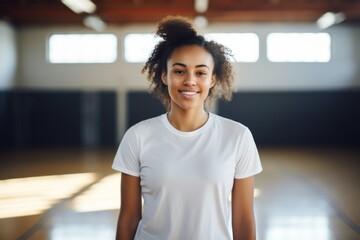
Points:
(71, 84)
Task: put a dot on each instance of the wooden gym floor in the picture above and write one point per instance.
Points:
(302, 194)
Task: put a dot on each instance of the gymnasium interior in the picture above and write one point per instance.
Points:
(71, 85)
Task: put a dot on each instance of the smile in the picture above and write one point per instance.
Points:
(189, 93)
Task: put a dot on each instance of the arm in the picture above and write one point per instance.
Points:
(243, 220)
(130, 210)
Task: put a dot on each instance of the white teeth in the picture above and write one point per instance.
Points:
(188, 93)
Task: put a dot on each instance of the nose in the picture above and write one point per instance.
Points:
(190, 80)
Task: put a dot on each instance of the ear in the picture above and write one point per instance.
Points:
(163, 78)
(213, 80)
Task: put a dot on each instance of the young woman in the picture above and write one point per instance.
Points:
(194, 169)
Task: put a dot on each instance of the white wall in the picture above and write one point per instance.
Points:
(35, 71)
(341, 71)
(8, 55)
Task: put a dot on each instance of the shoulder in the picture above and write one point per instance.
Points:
(230, 125)
(144, 126)
(141, 131)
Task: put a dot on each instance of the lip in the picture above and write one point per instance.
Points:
(188, 92)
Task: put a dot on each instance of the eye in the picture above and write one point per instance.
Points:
(179, 72)
(201, 73)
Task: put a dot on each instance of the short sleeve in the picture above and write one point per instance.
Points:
(248, 160)
(127, 156)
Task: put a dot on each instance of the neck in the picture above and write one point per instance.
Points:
(187, 121)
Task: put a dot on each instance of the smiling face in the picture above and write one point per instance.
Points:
(189, 78)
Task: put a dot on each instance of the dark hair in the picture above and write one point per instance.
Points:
(176, 32)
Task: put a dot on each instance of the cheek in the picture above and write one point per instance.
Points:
(171, 86)
(210, 83)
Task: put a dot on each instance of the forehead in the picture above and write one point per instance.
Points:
(191, 55)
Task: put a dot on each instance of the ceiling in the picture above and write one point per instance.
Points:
(53, 12)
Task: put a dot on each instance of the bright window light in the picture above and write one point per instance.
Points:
(299, 47)
(79, 6)
(82, 48)
(138, 46)
(244, 46)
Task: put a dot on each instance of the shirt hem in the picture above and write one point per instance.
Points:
(248, 174)
(126, 171)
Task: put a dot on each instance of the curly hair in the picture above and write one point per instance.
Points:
(177, 31)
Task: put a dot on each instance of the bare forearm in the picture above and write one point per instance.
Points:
(126, 229)
(244, 231)
(130, 211)
(243, 219)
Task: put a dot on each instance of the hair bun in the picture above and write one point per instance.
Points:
(175, 28)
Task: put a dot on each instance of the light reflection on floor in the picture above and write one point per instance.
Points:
(75, 231)
(299, 196)
(298, 228)
(103, 195)
(37, 194)
(34, 195)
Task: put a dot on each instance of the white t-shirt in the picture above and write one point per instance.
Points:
(186, 177)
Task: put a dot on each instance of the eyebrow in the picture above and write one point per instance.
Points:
(184, 65)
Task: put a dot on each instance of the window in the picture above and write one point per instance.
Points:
(138, 47)
(299, 47)
(82, 48)
(244, 46)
